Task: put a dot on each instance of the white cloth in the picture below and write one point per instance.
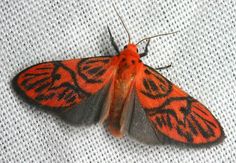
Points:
(203, 61)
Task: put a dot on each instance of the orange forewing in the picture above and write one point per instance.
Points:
(62, 84)
(173, 112)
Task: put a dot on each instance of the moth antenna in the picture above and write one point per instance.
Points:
(122, 23)
(147, 38)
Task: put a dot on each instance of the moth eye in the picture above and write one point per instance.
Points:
(137, 50)
(125, 46)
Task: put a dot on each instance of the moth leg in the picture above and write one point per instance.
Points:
(112, 41)
(164, 67)
(145, 50)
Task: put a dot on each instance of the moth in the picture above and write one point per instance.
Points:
(123, 93)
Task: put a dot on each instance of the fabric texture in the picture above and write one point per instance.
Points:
(202, 54)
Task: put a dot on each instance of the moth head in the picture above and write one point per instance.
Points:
(131, 50)
(131, 47)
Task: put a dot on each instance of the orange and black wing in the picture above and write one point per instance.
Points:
(173, 113)
(76, 89)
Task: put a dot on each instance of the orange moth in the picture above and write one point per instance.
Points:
(122, 92)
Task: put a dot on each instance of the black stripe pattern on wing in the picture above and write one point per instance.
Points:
(92, 69)
(154, 84)
(47, 83)
(186, 122)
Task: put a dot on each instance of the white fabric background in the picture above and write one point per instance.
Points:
(202, 55)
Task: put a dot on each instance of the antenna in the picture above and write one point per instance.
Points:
(122, 22)
(147, 38)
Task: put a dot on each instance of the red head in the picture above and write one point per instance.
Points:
(131, 50)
